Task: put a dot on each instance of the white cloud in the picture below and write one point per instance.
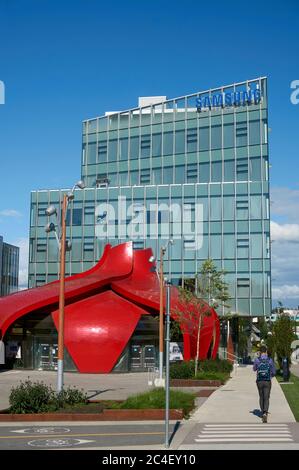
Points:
(23, 244)
(285, 203)
(10, 213)
(284, 232)
(286, 291)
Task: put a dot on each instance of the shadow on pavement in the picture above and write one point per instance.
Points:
(176, 427)
(98, 392)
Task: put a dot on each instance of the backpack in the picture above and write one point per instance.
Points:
(263, 370)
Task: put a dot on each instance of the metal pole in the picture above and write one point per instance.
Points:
(161, 317)
(61, 296)
(167, 345)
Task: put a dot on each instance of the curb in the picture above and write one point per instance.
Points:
(195, 383)
(106, 415)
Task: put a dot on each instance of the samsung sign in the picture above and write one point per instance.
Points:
(236, 98)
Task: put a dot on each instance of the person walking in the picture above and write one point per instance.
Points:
(265, 370)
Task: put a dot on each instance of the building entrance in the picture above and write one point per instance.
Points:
(46, 356)
(142, 356)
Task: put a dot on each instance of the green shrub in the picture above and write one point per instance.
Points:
(185, 369)
(29, 397)
(37, 397)
(215, 365)
(156, 399)
(70, 396)
(182, 370)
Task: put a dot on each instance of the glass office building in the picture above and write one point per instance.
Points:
(194, 169)
(9, 268)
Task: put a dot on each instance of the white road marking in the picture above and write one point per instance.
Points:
(244, 433)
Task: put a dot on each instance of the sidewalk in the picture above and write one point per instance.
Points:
(238, 402)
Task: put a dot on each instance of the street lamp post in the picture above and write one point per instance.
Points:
(167, 341)
(63, 245)
(161, 315)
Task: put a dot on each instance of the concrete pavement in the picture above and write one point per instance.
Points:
(238, 402)
(228, 419)
(97, 386)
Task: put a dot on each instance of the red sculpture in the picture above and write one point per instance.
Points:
(103, 307)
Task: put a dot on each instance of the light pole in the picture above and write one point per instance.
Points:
(167, 341)
(161, 311)
(63, 245)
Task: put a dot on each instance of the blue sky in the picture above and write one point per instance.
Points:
(64, 61)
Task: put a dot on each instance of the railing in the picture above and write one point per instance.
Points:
(230, 356)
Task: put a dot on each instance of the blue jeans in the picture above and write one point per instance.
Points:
(264, 388)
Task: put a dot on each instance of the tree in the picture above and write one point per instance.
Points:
(190, 312)
(207, 289)
(263, 327)
(283, 335)
(211, 285)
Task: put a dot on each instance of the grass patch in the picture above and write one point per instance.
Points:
(291, 392)
(155, 399)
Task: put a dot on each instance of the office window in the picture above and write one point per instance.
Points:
(145, 177)
(76, 214)
(40, 280)
(242, 209)
(124, 178)
(138, 244)
(76, 252)
(228, 136)
(134, 147)
(145, 146)
(123, 148)
(191, 140)
(134, 178)
(254, 133)
(228, 208)
(243, 288)
(157, 145)
(229, 246)
(157, 176)
(204, 173)
(215, 247)
(180, 174)
(243, 248)
(179, 141)
(168, 143)
(229, 170)
(192, 173)
(257, 285)
(112, 150)
(256, 207)
(216, 172)
(89, 213)
(91, 153)
(41, 247)
(255, 169)
(102, 151)
(242, 169)
(256, 245)
(88, 250)
(168, 175)
(241, 134)
(216, 137)
(204, 138)
(215, 208)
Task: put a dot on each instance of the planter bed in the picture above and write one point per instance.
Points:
(105, 415)
(194, 383)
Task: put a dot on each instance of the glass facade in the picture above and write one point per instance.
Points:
(194, 169)
(9, 268)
